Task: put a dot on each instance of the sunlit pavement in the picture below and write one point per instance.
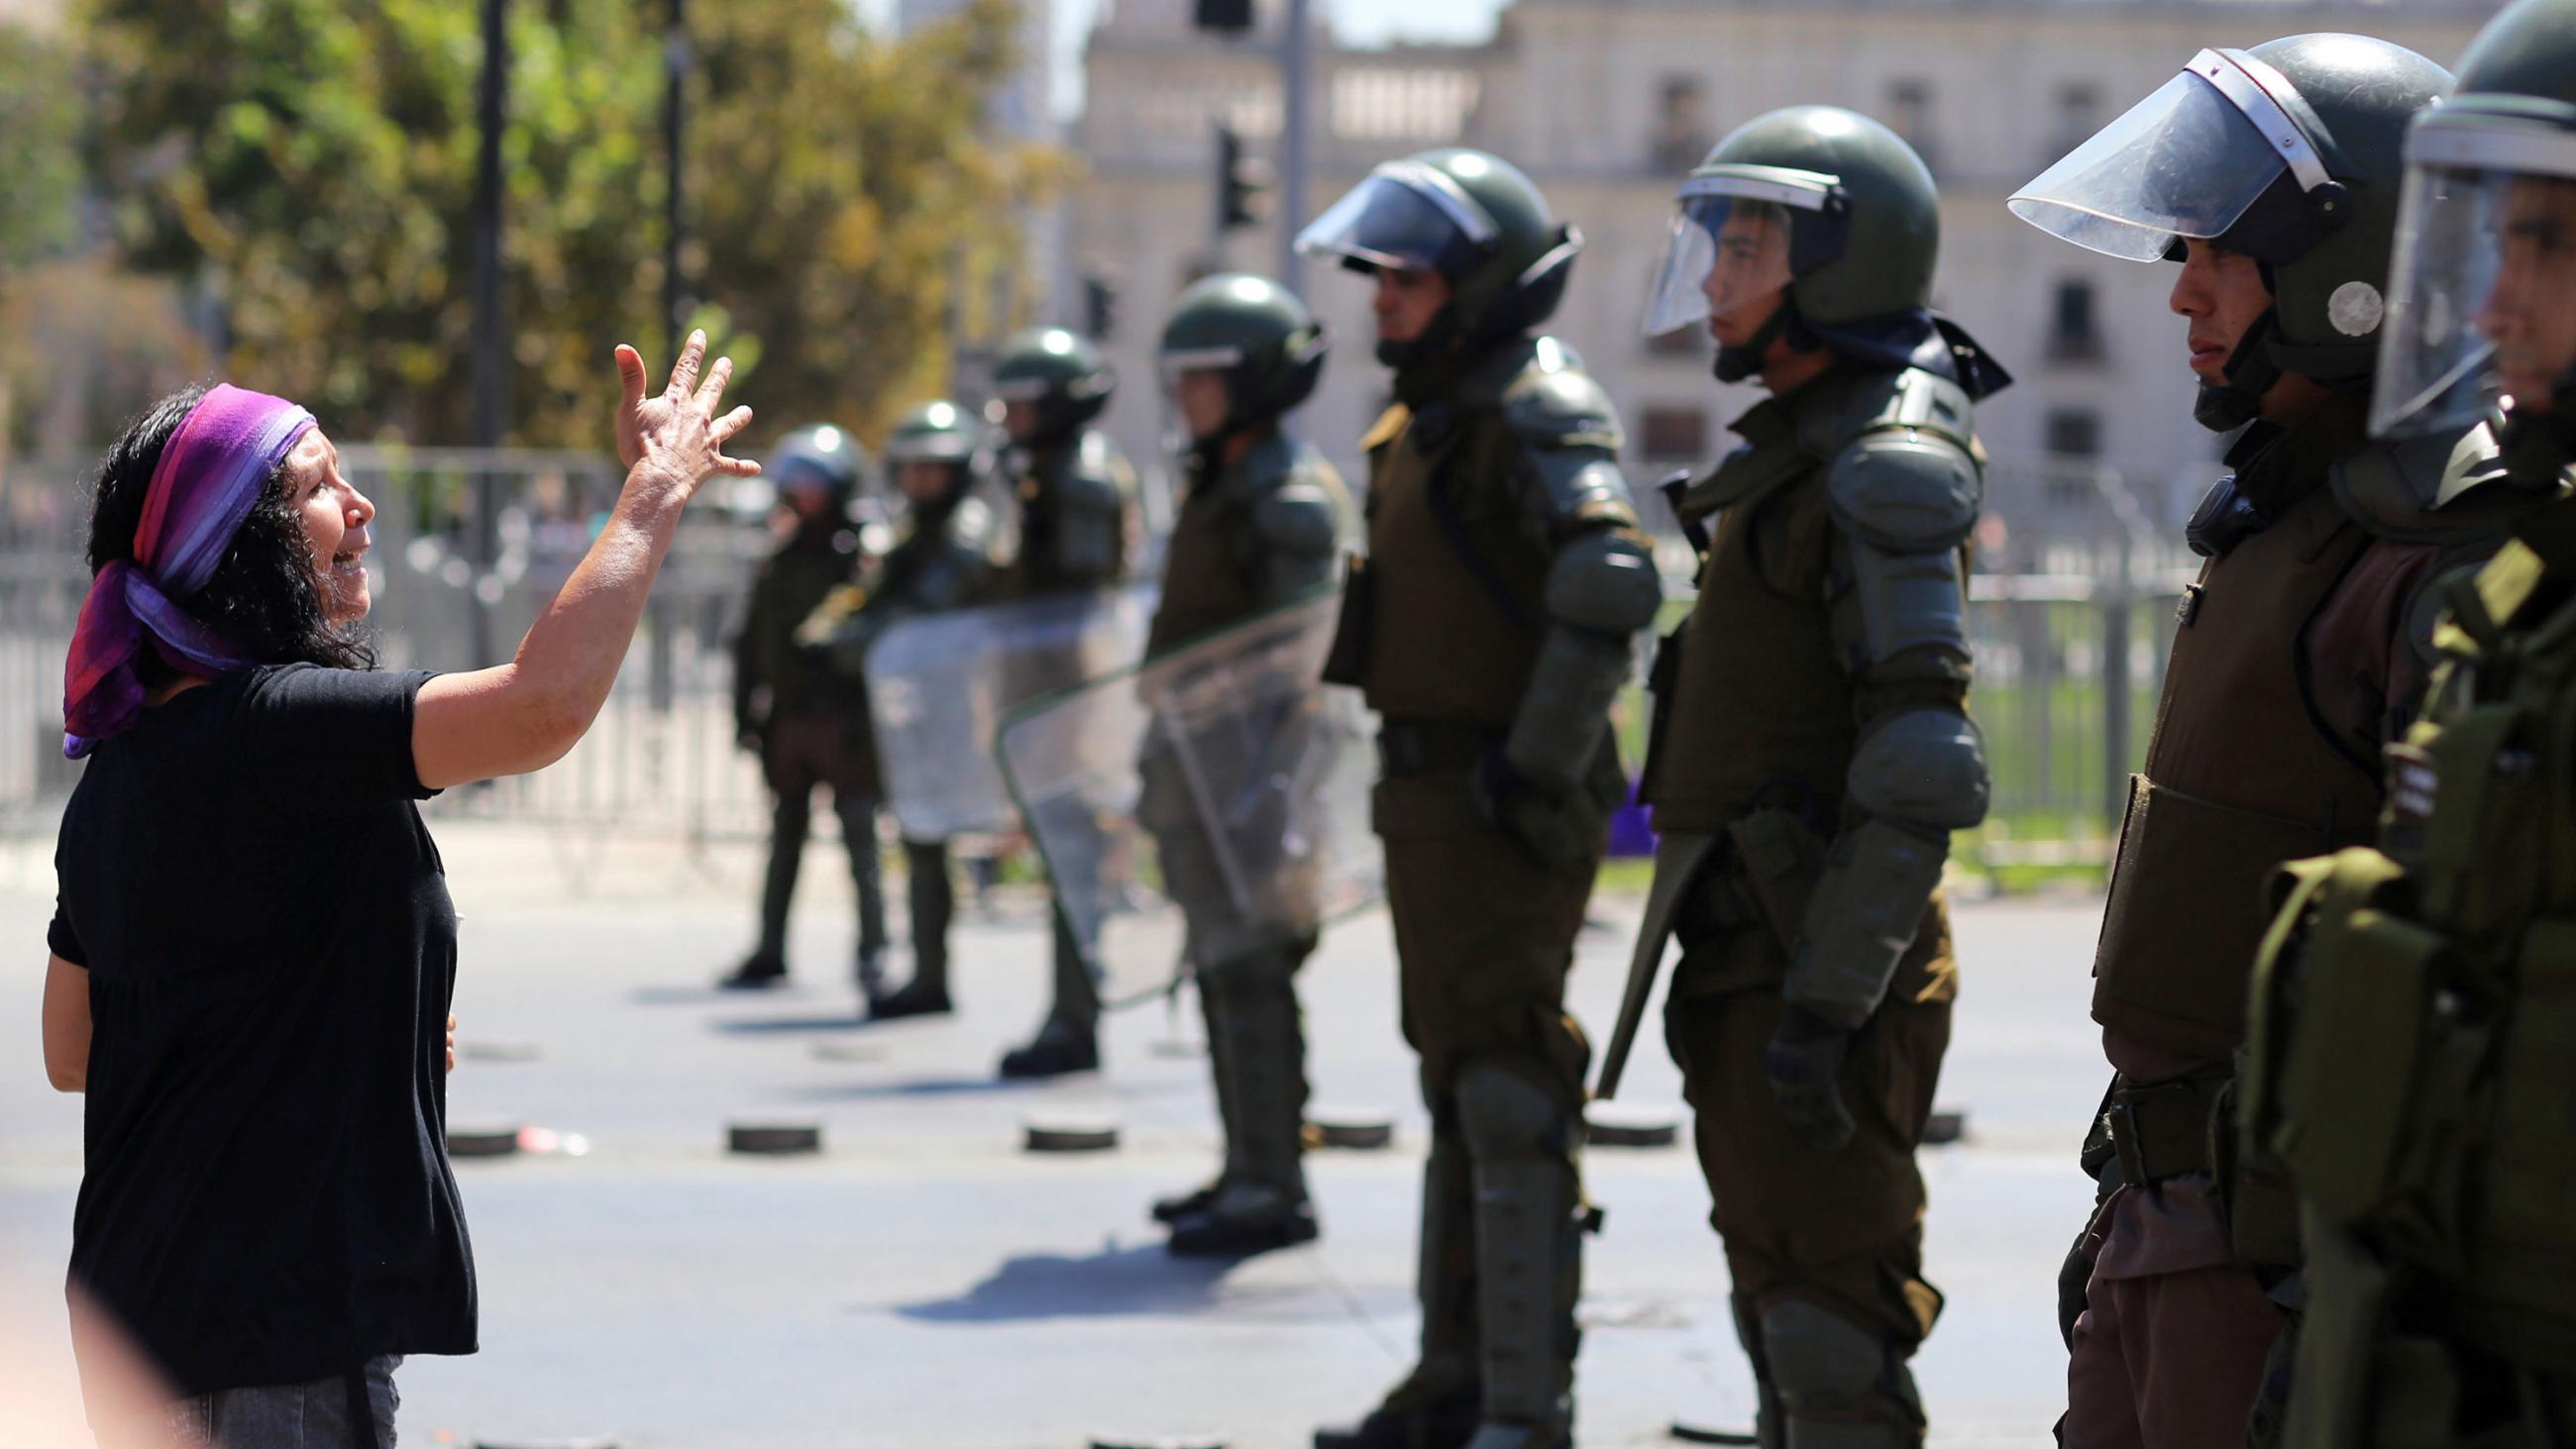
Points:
(925, 1283)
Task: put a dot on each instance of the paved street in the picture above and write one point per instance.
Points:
(925, 1284)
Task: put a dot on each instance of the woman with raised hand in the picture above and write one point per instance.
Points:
(253, 951)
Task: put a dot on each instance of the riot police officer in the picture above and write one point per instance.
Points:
(1811, 753)
(1490, 627)
(940, 560)
(1075, 496)
(1263, 523)
(807, 722)
(2410, 1048)
(2272, 175)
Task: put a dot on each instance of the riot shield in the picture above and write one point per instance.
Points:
(939, 686)
(1204, 805)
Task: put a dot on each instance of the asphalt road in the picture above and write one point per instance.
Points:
(924, 1283)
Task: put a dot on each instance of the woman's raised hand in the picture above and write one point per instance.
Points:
(677, 433)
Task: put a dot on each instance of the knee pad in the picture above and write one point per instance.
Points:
(1505, 1115)
(1832, 1371)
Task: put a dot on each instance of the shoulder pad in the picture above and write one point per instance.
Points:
(1094, 476)
(1906, 490)
(1561, 408)
(1298, 517)
(1904, 400)
(2447, 489)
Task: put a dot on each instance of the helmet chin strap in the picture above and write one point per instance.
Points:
(1735, 364)
(2223, 407)
(1428, 361)
(2538, 447)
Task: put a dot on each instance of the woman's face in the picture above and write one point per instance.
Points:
(335, 517)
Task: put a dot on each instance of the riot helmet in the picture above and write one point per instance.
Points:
(1060, 376)
(1473, 218)
(1254, 332)
(2289, 153)
(2483, 309)
(1838, 216)
(938, 434)
(819, 461)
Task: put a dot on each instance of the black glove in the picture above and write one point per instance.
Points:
(1803, 1060)
(1538, 819)
(750, 735)
(2074, 1276)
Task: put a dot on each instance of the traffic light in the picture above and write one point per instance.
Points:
(1240, 181)
(1230, 17)
(1099, 306)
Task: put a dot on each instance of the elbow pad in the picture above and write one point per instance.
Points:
(1601, 588)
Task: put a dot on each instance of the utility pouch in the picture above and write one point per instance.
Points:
(2336, 1398)
(2347, 1082)
(2261, 1202)
(1347, 661)
(1779, 861)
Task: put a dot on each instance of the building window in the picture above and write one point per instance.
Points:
(2074, 326)
(1680, 137)
(2079, 115)
(1674, 435)
(1909, 114)
(2073, 433)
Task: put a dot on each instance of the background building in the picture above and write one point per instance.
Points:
(1607, 103)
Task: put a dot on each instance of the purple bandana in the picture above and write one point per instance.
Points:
(210, 474)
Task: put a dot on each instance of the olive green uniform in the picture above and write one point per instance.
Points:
(1075, 497)
(2411, 1049)
(1830, 613)
(1252, 536)
(941, 561)
(1485, 494)
(811, 726)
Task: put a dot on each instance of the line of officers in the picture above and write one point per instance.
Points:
(2334, 1158)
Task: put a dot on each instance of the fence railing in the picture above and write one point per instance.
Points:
(2071, 618)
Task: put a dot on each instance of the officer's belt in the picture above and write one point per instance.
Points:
(1420, 747)
(2161, 1130)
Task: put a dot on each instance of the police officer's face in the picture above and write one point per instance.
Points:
(1406, 301)
(2223, 294)
(1020, 420)
(923, 483)
(1199, 393)
(2530, 312)
(1750, 277)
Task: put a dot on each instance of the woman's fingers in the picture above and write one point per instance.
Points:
(684, 373)
(725, 428)
(737, 467)
(630, 377)
(712, 392)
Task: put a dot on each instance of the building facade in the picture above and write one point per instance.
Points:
(1608, 103)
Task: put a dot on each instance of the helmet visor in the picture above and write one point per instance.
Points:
(1739, 235)
(2188, 161)
(2484, 278)
(1407, 216)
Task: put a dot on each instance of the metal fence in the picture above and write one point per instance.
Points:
(2071, 619)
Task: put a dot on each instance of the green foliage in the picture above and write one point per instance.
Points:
(312, 162)
(39, 164)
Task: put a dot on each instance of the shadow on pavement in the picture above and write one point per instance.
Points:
(1114, 1282)
(771, 1025)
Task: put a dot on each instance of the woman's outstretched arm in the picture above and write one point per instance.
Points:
(526, 714)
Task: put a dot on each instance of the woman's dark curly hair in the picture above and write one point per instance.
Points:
(265, 596)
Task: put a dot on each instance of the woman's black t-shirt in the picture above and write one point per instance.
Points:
(271, 955)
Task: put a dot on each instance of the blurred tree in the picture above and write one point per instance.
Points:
(39, 161)
(310, 163)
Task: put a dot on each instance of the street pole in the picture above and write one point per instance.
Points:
(1295, 124)
(491, 110)
(675, 66)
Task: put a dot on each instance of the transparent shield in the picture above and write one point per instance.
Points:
(1208, 804)
(1398, 217)
(1726, 253)
(2484, 293)
(2184, 162)
(940, 685)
